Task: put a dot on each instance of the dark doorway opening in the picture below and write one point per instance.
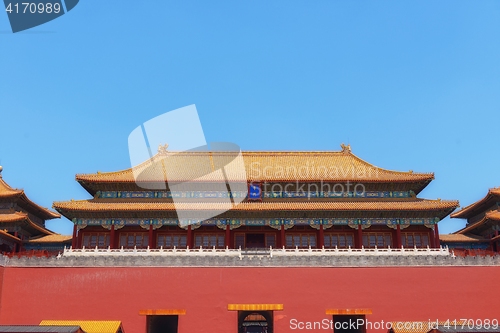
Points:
(255, 322)
(255, 241)
(349, 324)
(162, 324)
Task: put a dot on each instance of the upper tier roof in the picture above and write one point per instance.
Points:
(478, 206)
(271, 166)
(8, 193)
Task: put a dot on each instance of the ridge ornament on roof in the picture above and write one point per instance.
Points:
(346, 148)
(162, 149)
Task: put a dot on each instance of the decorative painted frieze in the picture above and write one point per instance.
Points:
(275, 223)
(242, 194)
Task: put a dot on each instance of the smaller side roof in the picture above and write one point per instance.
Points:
(5, 234)
(7, 192)
(462, 238)
(23, 217)
(39, 329)
(56, 238)
(478, 206)
(89, 326)
(490, 216)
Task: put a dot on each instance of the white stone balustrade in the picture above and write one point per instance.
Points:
(271, 252)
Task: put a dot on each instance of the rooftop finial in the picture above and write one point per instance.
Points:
(1, 169)
(162, 149)
(345, 148)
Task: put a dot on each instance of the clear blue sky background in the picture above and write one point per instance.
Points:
(409, 84)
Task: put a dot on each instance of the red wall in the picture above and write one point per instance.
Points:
(30, 295)
(2, 270)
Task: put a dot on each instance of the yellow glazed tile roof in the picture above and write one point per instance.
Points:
(255, 307)
(56, 238)
(493, 215)
(107, 205)
(462, 238)
(20, 217)
(260, 166)
(348, 311)
(13, 217)
(7, 192)
(88, 326)
(470, 209)
(6, 234)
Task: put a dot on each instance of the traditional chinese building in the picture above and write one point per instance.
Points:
(22, 223)
(483, 224)
(287, 241)
(295, 200)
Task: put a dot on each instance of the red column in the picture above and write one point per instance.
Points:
(398, 236)
(436, 236)
(16, 245)
(433, 241)
(73, 240)
(79, 240)
(112, 237)
(190, 237)
(150, 237)
(227, 238)
(360, 236)
(282, 236)
(321, 240)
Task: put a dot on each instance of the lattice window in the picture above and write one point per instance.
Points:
(168, 241)
(340, 240)
(270, 240)
(378, 239)
(134, 239)
(239, 241)
(93, 239)
(209, 240)
(301, 240)
(412, 239)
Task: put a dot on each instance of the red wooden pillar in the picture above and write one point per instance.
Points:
(360, 236)
(398, 236)
(79, 240)
(436, 236)
(190, 237)
(150, 237)
(112, 237)
(282, 236)
(433, 241)
(227, 238)
(73, 240)
(321, 240)
(17, 246)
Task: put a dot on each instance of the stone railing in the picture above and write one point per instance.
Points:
(270, 252)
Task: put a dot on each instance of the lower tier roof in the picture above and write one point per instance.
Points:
(73, 209)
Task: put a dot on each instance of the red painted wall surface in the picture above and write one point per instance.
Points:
(30, 295)
(2, 270)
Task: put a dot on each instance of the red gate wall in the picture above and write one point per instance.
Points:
(29, 295)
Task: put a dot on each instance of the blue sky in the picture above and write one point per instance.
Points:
(411, 85)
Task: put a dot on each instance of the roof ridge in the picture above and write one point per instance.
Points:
(254, 153)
